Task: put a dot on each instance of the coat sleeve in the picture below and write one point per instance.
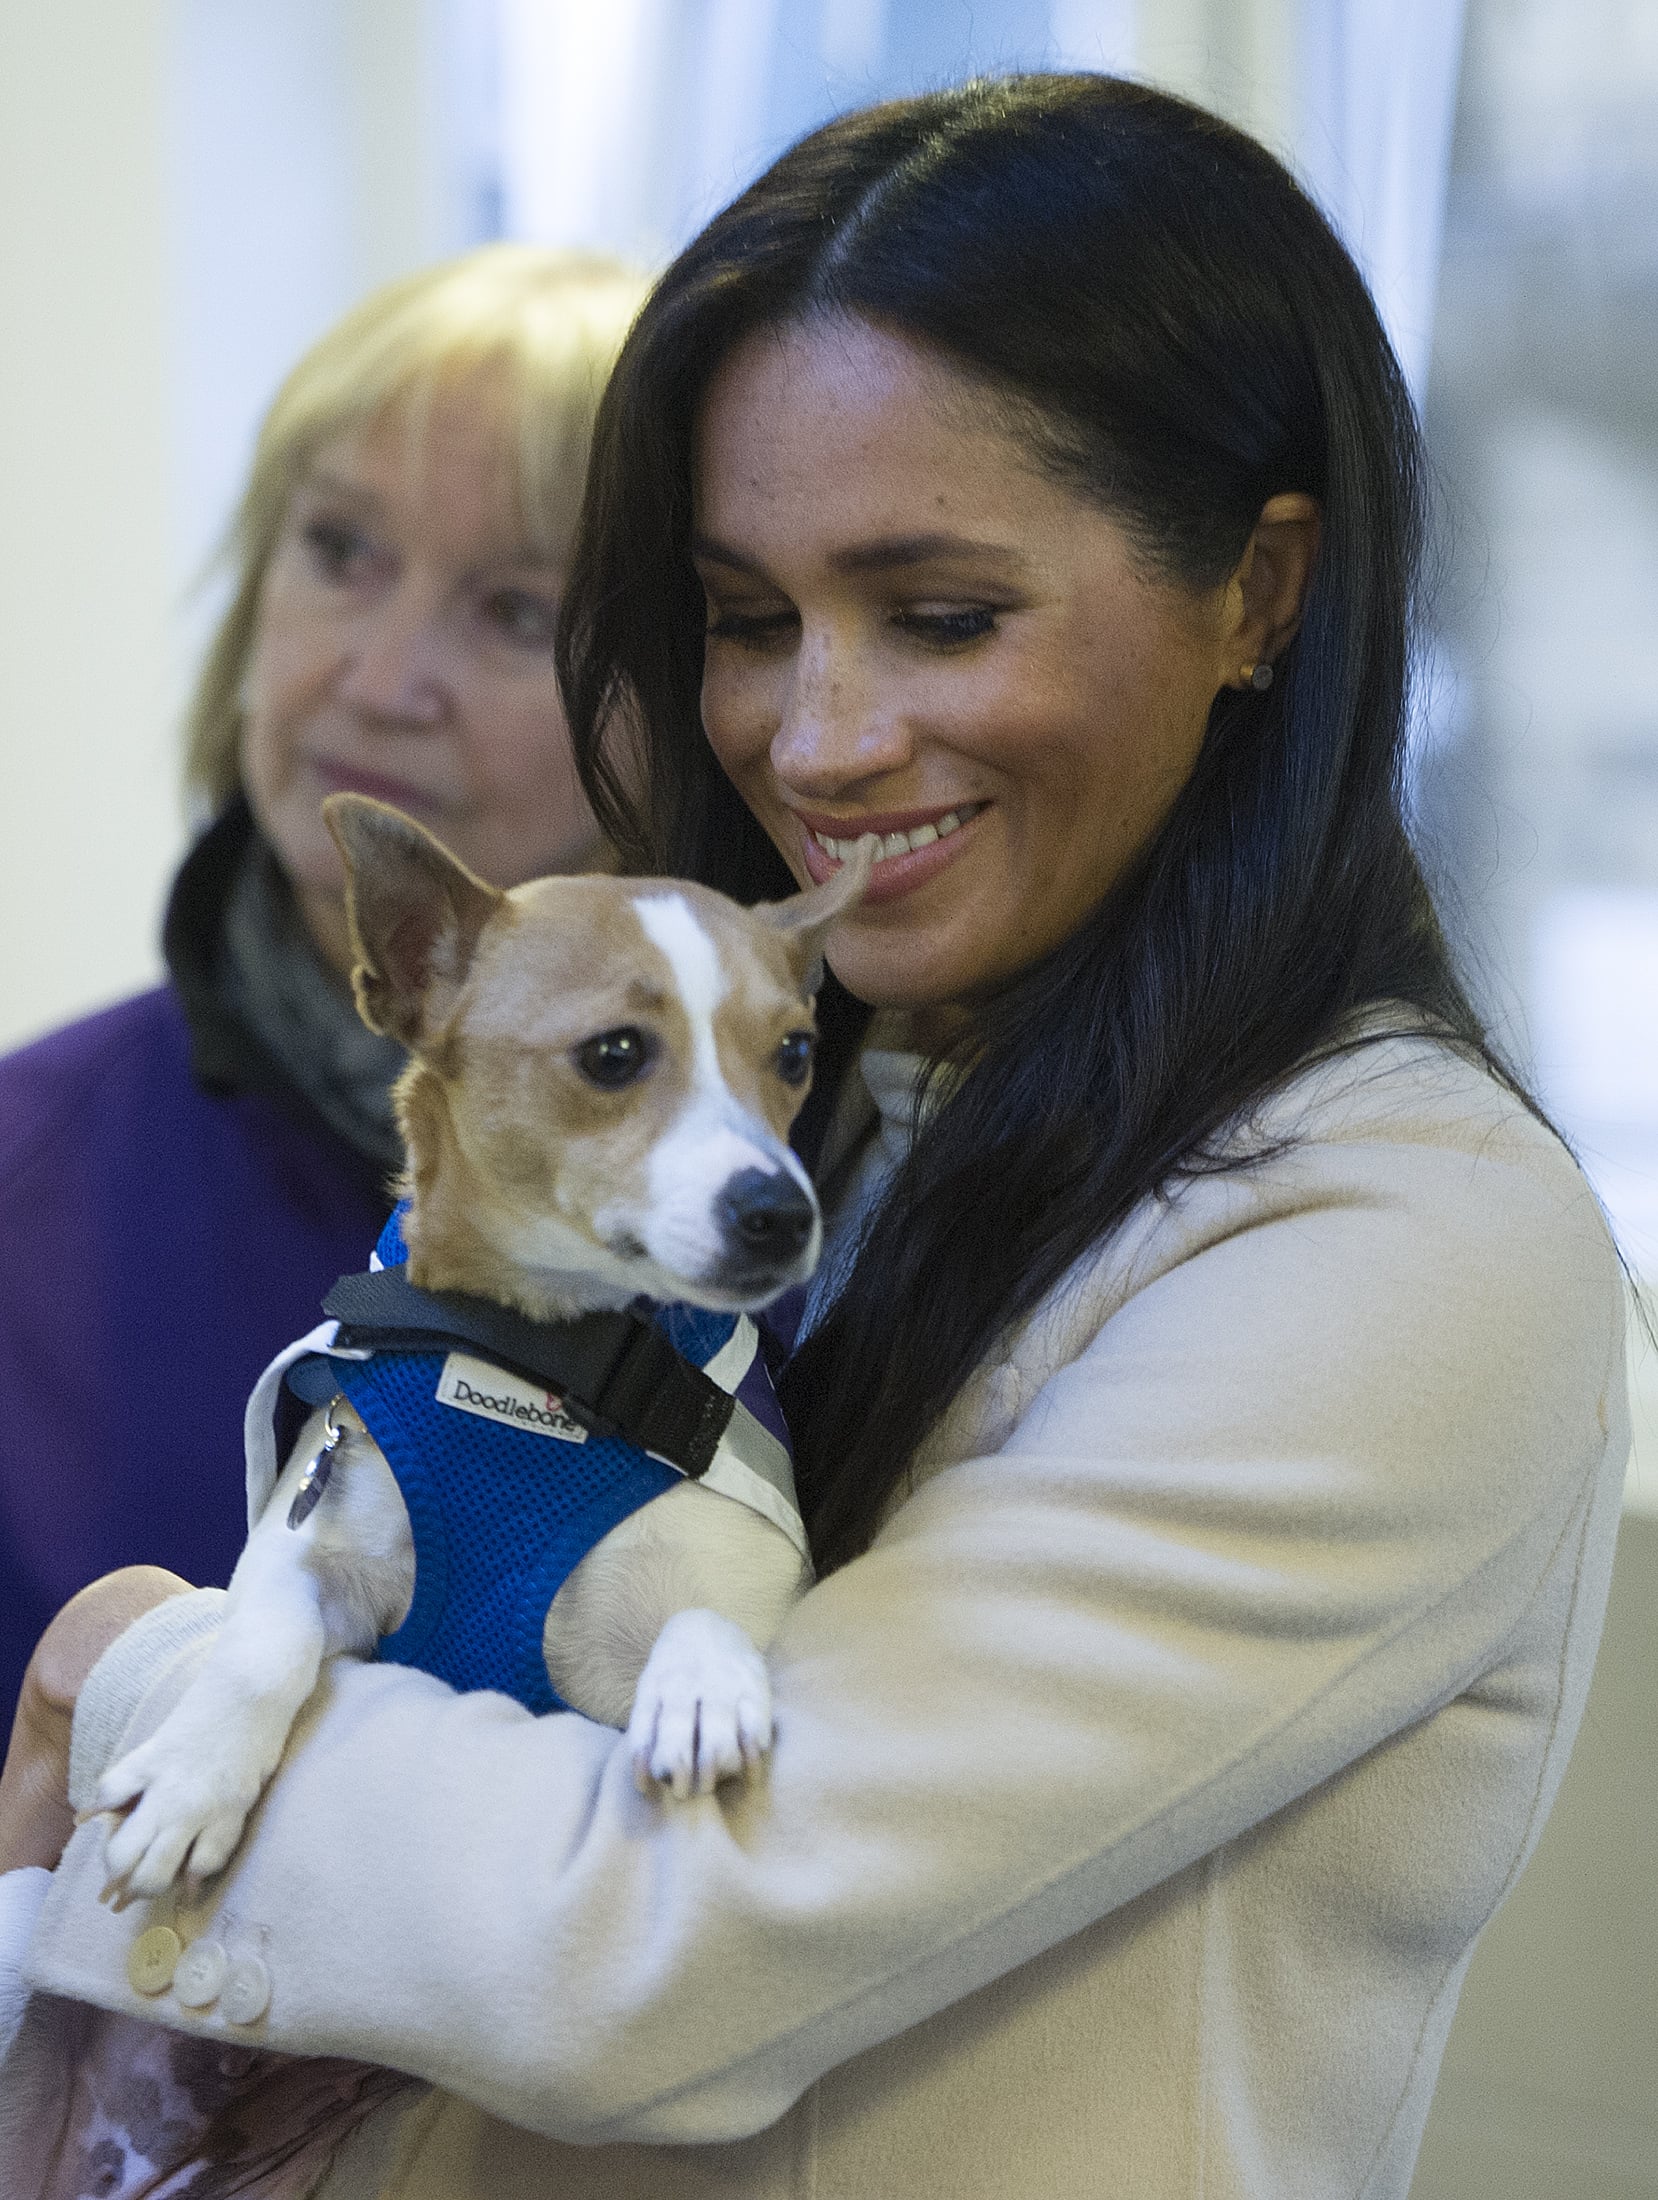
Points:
(1293, 1496)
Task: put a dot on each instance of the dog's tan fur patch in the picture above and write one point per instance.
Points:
(522, 1128)
(496, 993)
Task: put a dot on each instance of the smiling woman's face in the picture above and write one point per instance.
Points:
(914, 632)
(404, 649)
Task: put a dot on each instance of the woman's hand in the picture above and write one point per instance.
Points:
(35, 1818)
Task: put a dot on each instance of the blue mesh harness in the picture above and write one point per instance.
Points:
(507, 1493)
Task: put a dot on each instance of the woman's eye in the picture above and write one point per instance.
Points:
(522, 617)
(338, 550)
(794, 1057)
(948, 629)
(753, 629)
(615, 1058)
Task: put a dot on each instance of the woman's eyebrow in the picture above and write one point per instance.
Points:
(706, 551)
(320, 482)
(888, 554)
(513, 553)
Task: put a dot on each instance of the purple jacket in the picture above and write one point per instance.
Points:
(163, 1233)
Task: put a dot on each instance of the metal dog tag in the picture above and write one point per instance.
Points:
(318, 1468)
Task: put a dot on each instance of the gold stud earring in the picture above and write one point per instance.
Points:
(1259, 676)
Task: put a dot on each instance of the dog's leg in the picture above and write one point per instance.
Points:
(335, 1582)
(702, 1712)
(656, 1632)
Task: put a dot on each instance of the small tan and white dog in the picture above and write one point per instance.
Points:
(602, 1077)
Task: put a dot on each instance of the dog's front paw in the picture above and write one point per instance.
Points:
(702, 1710)
(186, 1800)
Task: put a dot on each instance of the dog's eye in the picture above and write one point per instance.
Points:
(616, 1058)
(794, 1057)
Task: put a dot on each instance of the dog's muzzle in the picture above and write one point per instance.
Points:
(766, 1220)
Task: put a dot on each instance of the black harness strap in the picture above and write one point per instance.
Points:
(616, 1373)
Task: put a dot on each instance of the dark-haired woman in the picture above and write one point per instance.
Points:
(1211, 1418)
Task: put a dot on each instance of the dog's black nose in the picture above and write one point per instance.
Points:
(767, 1214)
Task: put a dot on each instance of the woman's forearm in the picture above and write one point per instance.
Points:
(36, 1818)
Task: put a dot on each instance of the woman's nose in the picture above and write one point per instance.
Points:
(397, 663)
(837, 726)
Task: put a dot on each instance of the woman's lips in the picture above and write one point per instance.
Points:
(942, 835)
(351, 779)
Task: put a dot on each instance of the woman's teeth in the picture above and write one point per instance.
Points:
(901, 844)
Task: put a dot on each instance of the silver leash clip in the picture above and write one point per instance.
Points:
(318, 1468)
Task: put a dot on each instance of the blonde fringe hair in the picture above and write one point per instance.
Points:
(538, 329)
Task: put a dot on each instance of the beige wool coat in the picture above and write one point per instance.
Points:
(1137, 1799)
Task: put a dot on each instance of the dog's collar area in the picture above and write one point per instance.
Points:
(616, 1373)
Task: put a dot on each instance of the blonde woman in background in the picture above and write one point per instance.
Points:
(183, 1175)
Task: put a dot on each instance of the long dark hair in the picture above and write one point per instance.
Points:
(1183, 338)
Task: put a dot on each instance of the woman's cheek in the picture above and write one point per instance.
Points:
(518, 741)
(739, 727)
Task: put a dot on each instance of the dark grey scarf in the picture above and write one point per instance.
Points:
(278, 985)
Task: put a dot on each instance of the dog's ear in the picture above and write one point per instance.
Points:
(415, 914)
(805, 919)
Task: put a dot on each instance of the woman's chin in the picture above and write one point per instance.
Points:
(890, 976)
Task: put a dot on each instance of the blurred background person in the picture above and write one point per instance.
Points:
(184, 1174)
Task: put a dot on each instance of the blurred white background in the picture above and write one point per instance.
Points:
(192, 190)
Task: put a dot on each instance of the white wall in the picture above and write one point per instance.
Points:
(190, 191)
(1547, 2090)
(87, 570)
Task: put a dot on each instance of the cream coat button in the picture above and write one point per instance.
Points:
(246, 1993)
(200, 1974)
(152, 1959)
